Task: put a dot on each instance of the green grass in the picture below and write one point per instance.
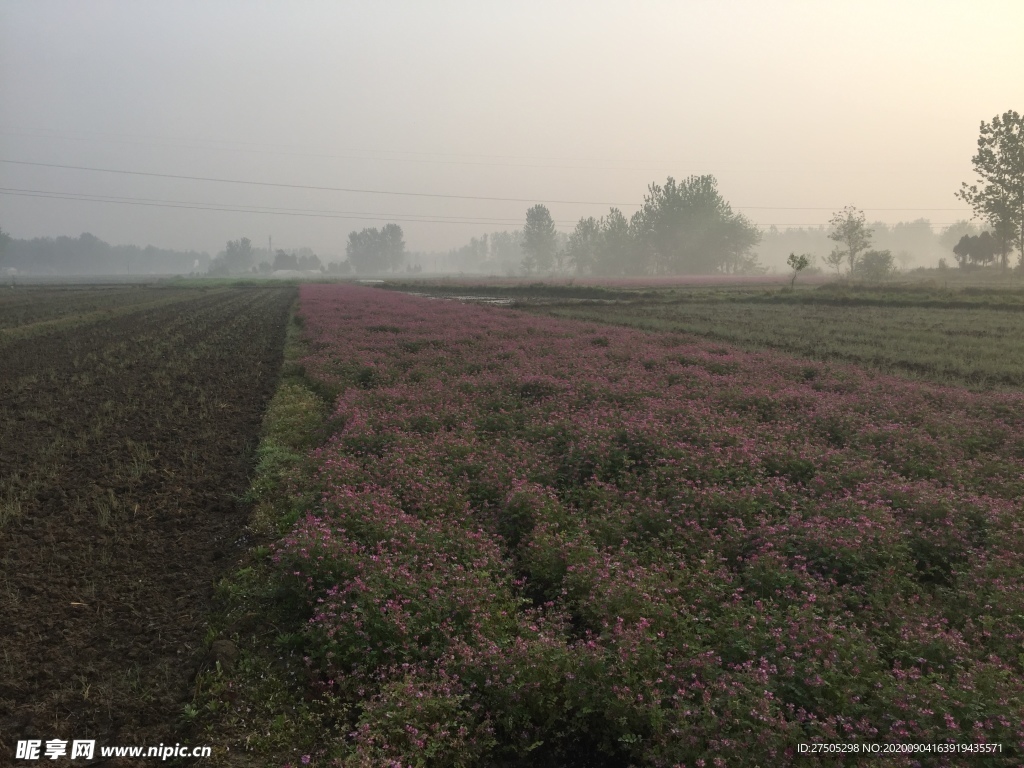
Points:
(269, 713)
(966, 337)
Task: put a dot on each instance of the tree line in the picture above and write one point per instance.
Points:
(683, 227)
(687, 227)
(369, 251)
(88, 255)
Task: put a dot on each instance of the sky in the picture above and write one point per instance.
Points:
(453, 118)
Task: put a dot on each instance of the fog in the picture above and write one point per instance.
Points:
(453, 118)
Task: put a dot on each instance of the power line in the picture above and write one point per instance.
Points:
(309, 186)
(428, 194)
(307, 213)
(185, 205)
(249, 208)
(372, 155)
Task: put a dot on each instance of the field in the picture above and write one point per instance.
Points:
(606, 525)
(966, 337)
(128, 419)
(507, 538)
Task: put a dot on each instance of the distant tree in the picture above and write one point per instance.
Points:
(539, 241)
(372, 251)
(989, 247)
(363, 251)
(849, 228)
(876, 265)
(798, 264)
(999, 197)
(905, 258)
(238, 255)
(617, 252)
(836, 259)
(951, 234)
(338, 268)
(581, 251)
(979, 250)
(5, 240)
(689, 228)
(392, 246)
(962, 251)
(283, 260)
(505, 249)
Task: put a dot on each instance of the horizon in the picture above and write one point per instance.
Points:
(434, 113)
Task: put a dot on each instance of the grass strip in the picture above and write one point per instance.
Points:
(249, 702)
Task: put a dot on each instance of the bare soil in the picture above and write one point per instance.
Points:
(125, 448)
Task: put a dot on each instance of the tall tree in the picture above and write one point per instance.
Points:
(392, 246)
(372, 250)
(581, 250)
(617, 248)
(688, 227)
(4, 240)
(539, 241)
(238, 255)
(998, 198)
(849, 228)
(603, 247)
(363, 251)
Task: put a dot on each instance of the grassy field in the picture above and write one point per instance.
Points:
(964, 337)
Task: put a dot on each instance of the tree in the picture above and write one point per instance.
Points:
(539, 241)
(952, 234)
(999, 196)
(603, 246)
(849, 228)
(375, 250)
(836, 259)
(962, 251)
(877, 265)
(392, 246)
(283, 260)
(4, 240)
(617, 248)
(363, 251)
(689, 228)
(978, 250)
(238, 255)
(581, 250)
(798, 264)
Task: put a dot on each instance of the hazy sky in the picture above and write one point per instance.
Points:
(798, 108)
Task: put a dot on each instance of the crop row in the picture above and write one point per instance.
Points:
(971, 341)
(122, 451)
(542, 541)
(26, 305)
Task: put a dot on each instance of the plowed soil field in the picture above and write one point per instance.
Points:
(125, 444)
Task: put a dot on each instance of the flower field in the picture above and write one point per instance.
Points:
(550, 542)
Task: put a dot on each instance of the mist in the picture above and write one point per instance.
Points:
(187, 126)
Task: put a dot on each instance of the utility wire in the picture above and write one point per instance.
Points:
(249, 208)
(425, 194)
(308, 213)
(308, 186)
(409, 219)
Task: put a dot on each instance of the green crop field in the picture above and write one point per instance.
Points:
(966, 337)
